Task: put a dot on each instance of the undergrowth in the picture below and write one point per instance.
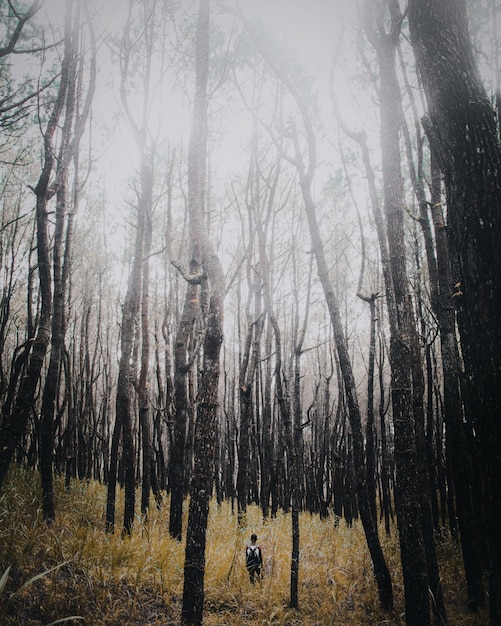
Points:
(74, 572)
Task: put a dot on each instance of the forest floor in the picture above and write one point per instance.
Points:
(74, 572)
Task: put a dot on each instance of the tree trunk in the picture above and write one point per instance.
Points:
(201, 483)
(381, 571)
(182, 363)
(53, 373)
(408, 495)
(145, 418)
(417, 554)
(208, 402)
(286, 414)
(462, 466)
(462, 129)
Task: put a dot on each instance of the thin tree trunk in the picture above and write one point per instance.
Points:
(285, 412)
(370, 525)
(182, 363)
(145, 418)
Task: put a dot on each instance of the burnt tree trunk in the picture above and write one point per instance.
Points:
(145, 417)
(461, 127)
(462, 464)
(182, 363)
(417, 547)
(208, 390)
(284, 403)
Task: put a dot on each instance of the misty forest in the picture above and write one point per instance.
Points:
(250, 274)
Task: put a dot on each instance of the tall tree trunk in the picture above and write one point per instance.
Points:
(286, 414)
(405, 386)
(125, 398)
(208, 391)
(245, 386)
(145, 417)
(387, 510)
(61, 263)
(440, 280)
(52, 379)
(462, 128)
(462, 465)
(136, 297)
(369, 523)
(267, 465)
(417, 546)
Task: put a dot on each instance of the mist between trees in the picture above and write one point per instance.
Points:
(250, 251)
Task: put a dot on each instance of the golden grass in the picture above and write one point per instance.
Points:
(106, 580)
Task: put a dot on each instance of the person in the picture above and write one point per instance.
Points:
(253, 559)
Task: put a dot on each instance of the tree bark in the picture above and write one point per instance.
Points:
(145, 417)
(461, 127)
(182, 363)
(208, 401)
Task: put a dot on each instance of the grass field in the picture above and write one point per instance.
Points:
(75, 570)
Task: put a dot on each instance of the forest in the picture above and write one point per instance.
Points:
(250, 274)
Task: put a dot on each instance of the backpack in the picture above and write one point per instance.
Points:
(253, 556)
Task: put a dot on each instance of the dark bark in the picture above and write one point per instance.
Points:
(182, 363)
(267, 465)
(462, 466)
(201, 483)
(458, 455)
(406, 389)
(462, 128)
(287, 417)
(145, 418)
(369, 523)
(52, 379)
(370, 432)
(111, 487)
(125, 396)
(245, 384)
(387, 509)
(208, 390)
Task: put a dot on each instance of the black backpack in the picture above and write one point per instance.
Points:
(252, 556)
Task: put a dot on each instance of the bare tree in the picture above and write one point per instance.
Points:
(137, 295)
(75, 117)
(53, 175)
(306, 173)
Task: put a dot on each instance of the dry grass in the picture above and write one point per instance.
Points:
(105, 580)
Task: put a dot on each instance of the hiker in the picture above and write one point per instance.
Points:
(253, 559)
